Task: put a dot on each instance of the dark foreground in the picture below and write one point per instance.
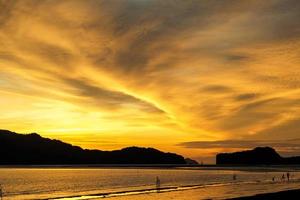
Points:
(288, 194)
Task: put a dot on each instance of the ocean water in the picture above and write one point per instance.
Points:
(88, 183)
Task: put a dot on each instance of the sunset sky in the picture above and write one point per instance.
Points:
(191, 77)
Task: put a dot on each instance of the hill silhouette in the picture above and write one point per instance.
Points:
(256, 156)
(32, 149)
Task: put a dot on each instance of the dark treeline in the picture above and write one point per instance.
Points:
(32, 149)
(257, 156)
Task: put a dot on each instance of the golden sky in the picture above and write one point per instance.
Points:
(192, 77)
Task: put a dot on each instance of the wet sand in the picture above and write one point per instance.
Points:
(252, 191)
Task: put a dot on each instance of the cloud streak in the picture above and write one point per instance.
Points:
(240, 144)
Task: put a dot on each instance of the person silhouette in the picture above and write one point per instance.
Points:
(234, 177)
(288, 176)
(157, 184)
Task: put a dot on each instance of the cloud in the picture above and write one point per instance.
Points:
(217, 89)
(240, 144)
(246, 96)
(204, 69)
(286, 130)
(54, 54)
(286, 148)
(6, 7)
(107, 98)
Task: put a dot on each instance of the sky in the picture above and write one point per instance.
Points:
(191, 77)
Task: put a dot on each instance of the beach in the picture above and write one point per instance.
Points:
(252, 191)
(140, 183)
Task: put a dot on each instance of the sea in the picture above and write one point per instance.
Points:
(98, 182)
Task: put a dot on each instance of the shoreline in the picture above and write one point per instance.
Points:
(259, 168)
(192, 192)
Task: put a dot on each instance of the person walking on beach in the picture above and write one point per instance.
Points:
(288, 176)
(157, 184)
(234, 177)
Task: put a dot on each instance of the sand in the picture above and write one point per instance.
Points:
(288, 194)
(222, 192)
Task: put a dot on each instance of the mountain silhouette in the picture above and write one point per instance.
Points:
(256, 156)
(32, 149)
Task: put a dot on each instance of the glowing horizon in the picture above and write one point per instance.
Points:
(192, 77)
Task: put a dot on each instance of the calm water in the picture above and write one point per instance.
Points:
(48, 183)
